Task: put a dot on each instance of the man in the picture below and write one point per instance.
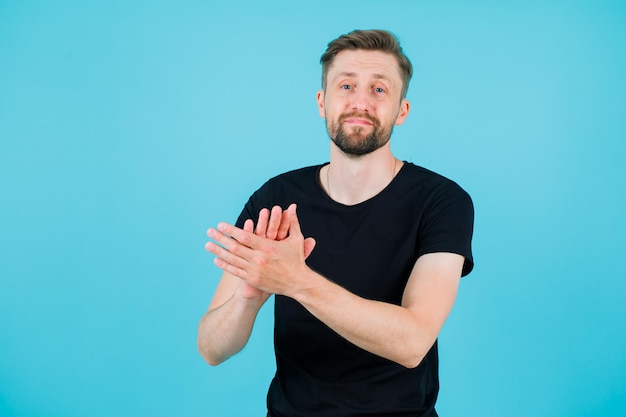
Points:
(360, 302)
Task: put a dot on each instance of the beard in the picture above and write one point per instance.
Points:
(358, 142)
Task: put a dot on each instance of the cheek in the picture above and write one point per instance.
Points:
(331, 113)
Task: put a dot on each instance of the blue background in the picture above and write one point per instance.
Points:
(128, 128)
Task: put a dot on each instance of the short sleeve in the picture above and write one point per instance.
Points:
(448, 224)
(257, 201)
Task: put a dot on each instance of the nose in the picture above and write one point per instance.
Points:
(361, 100)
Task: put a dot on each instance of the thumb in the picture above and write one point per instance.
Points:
(294, 224)
(309, 245)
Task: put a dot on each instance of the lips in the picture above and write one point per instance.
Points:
(358, 119)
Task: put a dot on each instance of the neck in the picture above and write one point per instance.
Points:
(351, 180)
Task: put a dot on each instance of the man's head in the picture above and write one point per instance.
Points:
(373, 40)
(365, 77)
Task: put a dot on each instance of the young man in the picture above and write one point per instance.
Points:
(359, 302)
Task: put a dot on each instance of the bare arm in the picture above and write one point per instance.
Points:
(226, 327)
(403, 334)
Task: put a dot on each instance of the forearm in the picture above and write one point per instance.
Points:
(403, 334)
(225, 330)
(387, 330)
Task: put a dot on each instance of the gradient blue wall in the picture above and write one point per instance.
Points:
(128, 128)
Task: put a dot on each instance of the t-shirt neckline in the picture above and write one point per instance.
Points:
(323, 192)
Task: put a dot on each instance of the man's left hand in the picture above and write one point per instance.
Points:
(273, 266)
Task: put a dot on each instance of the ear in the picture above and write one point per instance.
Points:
(320, 104)
(405, 106)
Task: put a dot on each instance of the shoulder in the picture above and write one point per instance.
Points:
(282, 190)
(300, 177)
(432, 184)
(296, 174)
(447, 223)
(289, 184)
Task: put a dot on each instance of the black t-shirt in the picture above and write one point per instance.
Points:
(370, 249)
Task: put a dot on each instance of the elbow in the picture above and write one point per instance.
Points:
(416, 349)
(212, 362)
(209, 358)
(414, 355)
(412, 362)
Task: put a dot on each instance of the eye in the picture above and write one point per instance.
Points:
(379, 90)
(346, 87)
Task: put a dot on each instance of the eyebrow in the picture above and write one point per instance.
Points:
(353, 74)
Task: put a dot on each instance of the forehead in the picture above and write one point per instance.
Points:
(361, 62)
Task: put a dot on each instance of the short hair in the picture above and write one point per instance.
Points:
(376, 40)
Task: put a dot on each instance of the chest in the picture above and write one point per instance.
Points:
(368, 251)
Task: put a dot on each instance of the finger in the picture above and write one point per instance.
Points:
(261, 224)
(283, 229)
(274, 222)
(248, 225)
(309, 245)
(294, 225)
(227, 235)
(231, 269)
(231, 243)
(227, 256)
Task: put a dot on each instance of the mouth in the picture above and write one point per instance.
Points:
(358, 121)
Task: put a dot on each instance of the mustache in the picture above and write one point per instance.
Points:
(360, 115)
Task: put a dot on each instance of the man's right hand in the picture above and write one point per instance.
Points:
(226, 326)
(272, 225)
